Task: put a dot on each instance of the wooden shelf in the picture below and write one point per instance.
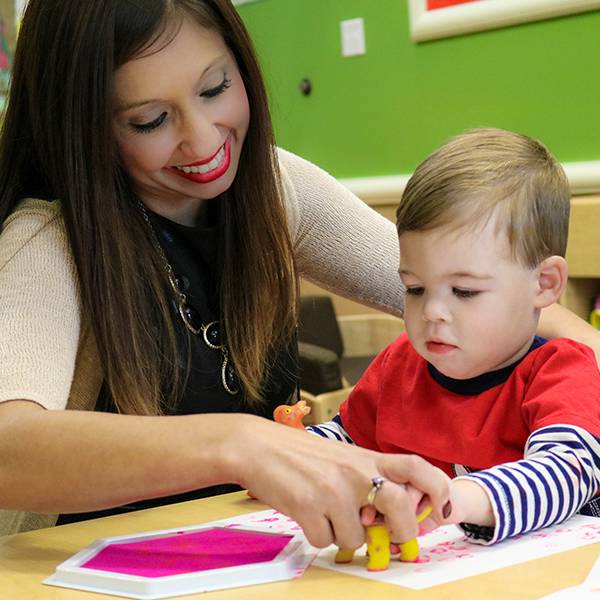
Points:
(583, 256)
(583, 252)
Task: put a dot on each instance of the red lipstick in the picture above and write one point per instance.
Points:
(205, 171)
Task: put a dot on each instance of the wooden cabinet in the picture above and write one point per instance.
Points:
(583, 256)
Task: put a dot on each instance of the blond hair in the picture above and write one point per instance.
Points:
(490, 172)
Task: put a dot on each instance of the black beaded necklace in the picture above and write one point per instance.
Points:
(211, 333)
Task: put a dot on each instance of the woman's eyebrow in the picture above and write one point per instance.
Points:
(130, 105)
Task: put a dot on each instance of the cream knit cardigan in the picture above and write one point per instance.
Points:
(47, 350)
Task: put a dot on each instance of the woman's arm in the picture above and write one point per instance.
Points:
(74, 461)
(556, 321)
(341, 244)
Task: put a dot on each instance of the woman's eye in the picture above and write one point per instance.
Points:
(217, 91)
(415, 291)
(151, 126)
(464, 293)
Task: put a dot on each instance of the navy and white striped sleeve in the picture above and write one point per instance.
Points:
(559, 474)
(334, 430)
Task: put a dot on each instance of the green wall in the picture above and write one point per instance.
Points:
(384, 112)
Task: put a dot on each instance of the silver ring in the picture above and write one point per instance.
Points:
(377, 483)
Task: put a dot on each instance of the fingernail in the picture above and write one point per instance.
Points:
(447, 510)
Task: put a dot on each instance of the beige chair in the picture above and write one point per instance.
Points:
(335, 352)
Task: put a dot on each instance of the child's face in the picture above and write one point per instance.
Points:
(469, 306)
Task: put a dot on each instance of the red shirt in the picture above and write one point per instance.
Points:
(398, 406)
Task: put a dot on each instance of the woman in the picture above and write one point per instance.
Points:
(149, 259)
(144, 217)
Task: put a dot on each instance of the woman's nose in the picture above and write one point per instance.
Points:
(200, 138)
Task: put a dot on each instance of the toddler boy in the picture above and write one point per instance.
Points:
(513, 418)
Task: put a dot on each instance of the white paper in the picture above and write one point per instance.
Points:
(269, 519)
(446, 555)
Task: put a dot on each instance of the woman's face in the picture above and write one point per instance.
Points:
(181, 118)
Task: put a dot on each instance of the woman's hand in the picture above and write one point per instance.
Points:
(323, 484)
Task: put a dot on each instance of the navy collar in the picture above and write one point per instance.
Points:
(481, 383)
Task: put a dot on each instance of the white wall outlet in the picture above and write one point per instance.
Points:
(353, 37)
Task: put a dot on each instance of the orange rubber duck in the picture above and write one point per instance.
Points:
(292, 415)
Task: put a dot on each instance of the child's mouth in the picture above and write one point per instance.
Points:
(438, 347)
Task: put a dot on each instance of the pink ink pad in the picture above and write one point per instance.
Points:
(176, 562)
(187, 553)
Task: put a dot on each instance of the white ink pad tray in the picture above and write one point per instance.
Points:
(190, 560)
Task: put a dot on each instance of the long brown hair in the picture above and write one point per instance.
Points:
(58, 143)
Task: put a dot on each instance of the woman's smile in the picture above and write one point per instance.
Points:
(207, 170)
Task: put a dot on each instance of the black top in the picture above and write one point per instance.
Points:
(193, 253)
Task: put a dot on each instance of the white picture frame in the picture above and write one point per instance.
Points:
(478, 15)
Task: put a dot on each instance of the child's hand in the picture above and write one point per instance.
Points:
(426, 517)
(470, 504)
(422, 506)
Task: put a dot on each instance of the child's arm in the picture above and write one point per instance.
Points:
(334, 430)
(559, 474)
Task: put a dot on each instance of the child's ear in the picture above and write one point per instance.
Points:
(552, 278)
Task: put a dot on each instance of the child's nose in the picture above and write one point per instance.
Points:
(435, 310)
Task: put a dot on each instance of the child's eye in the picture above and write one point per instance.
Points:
(217, 91)
(151, 126)
(415, 291)
(464, 293)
